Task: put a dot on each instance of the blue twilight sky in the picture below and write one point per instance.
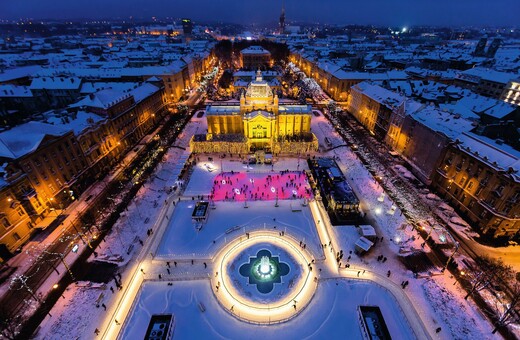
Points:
(385, 12)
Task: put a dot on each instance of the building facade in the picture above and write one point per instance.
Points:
(481, 179)
(259, 122)
(255, 57)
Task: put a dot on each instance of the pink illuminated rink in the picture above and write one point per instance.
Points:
(240, 186)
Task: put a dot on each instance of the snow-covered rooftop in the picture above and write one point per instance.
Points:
(20, 72)
(9, 90)
(143, 91)
(255, 50)
(55, 83)
(447, 123)
(500, 156)
(380, 94)
(25, 138)
(78, 122)
(488, 74)
(103, 99)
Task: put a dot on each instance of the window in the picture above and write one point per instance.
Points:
(6, 222)
(462, 180)
(16, 237)
(470, 185)
(20, 211)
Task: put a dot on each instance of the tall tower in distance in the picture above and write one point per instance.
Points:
(481, 46)
(493, 48)
(282, 19)
(187, 28)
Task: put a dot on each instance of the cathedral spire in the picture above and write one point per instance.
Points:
(282, 18)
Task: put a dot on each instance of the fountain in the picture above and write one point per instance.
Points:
(264, 270)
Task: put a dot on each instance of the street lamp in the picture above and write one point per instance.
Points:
(62, 259)
(51, 205)
(79, 235)
(457, 244)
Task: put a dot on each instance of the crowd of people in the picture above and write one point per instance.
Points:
(239, 186)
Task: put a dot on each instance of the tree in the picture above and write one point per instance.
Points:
(9, 324)
(508, 312)
(226, 79)
(488, 272)
(182, 108)
(223, 52)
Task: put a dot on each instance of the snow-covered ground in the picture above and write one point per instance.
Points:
(332, 314)
(230, 220)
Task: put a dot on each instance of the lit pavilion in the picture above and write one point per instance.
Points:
(259, 123)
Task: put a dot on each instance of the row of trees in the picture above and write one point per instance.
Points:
(492, 274)
(226, 51)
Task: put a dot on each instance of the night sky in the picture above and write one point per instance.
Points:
(385, 12)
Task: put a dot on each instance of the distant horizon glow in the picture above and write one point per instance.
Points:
(402, 13)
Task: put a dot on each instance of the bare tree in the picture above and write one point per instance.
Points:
(508, 312)
(9, 324)
(488, 272)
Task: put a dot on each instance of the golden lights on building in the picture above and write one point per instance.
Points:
(259, 122)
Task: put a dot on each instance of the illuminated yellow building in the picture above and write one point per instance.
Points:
(259, 122)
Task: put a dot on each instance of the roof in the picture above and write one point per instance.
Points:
(364, 243)
(55, 83)
(103, 99)
(485, 105)
(255, 50)
(143, 91)
(77, 123)
(352, 75)
(222, 109)
(13, 91)
(380, 94)
(499, 156)
(24, 139)
(487, 74)
(20, 72)
(447, 123)
(367, 230)
(289, 108)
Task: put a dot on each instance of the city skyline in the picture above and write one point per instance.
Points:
(404, 13)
